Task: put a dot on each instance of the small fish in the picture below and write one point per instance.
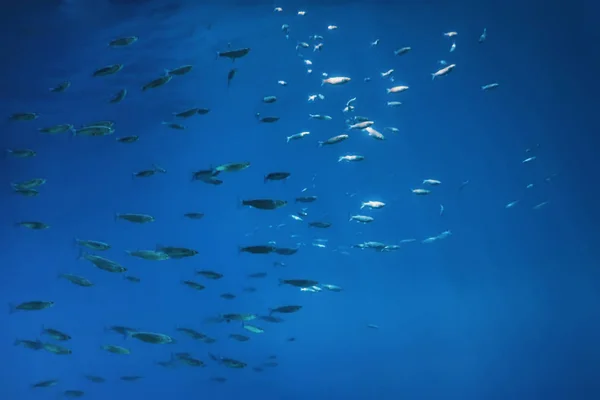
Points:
(62, 128)
(335, 80)
(300, 283)
(373, 204)
(297, 136)
(234, 54)
(123, 41)
(95, 379)
(135, 218)
(151, 337)
(29, 184)
(174, 125)
(26, 192)
(48, 383)
(111, 348)
(150, 255)
(56, 334)
(511, 204)
(21, 153)
(210, 274)
(94, 130)
(179, 71)
(118, 97)
(319, 224)
(231, 75)
(56, 349)
(334, 140)
(194, 215)
(350, 158)
(108, 70)
(306, 199)
(232, 167)
(483, 36)
(268, 119)
(194, 285)
(253, 329)
(158, 82)
(93, 244)
(259, 249)
(442, 72)
(187, 113)
(131, 378)
(77, 280)
(365, 219)
(397, 89)
(73, 393)
(239, 338)
(31, 306)
(264, 204)
(34, 225)
(320, 117)
(177, 252)
(285, 309)
(402, 51)
(28, 116)
(276, 176)
(490, 86)
(61, 87)
(128, 139)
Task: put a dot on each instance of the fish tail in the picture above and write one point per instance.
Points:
(11, 308)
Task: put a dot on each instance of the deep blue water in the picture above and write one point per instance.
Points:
(504, 308)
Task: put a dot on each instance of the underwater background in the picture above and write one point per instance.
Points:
(502, 303)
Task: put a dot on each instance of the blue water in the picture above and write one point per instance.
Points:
(504, 308)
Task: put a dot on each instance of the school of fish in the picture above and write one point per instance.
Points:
(297, 209)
